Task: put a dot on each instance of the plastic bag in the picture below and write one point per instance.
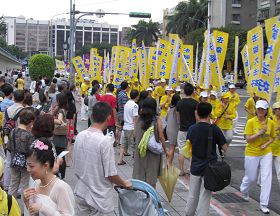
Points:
(187, 150)
(168, 180)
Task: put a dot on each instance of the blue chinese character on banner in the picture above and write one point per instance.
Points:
(224, 89)
(269, 50)
(162, 73)
(256, 61)
(220, 39)
(266, 68)
(187, 57)
(134, 51)
(154, 58)
(160, 52)
(187, 50)
(172, 41)
(173, 80)
(255, 72)
(163, 67)
(213, 58)
(162, 46)
(80, 66)
(219, 49)
(255, 37)
(164, 61)
(256, 49)
(275, 32)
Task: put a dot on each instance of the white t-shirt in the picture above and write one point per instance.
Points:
(94, 162)
(130, 111)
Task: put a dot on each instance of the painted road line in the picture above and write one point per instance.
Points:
(237, 145)
(238, 141)
(238, 136)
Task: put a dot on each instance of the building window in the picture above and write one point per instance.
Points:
(88, 28)
(236, 1)
(87, 39)
(105, 29)
(105, 37)
(114, 39)
(236, 17)
(114, 30)
(60, 26)
(96, 28)
(59, 42)
(96, 37)
(79, 28)
(264, 14)
(79, 40)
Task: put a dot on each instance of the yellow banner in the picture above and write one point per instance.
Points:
(60, 65)
(187, 52)
(152, 59)
(245, 61)
(97, 64)
(142, 56)
(255, 52)
(236, 47)
(218, 50)
(163, 67)
(79, 66)
(266, 81)
(174, 58)
(134, 60)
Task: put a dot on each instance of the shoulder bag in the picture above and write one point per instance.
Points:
(217, 174)
(61, 130)
(154, 144)
(218, 118)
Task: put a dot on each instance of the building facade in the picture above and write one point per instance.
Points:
(87, 32)
(239, 13)
(124, 34)
(32, 36)
(49, 37)
(267, 9)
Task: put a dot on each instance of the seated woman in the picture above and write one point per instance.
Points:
(50, 196)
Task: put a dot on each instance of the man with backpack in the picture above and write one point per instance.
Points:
(8, 204)
(10, 115)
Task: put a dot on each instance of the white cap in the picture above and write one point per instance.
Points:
(214, 93)
(100, 86)
(149, 89)
(86, 79)
(162, 80)
(231, 86)
(178, 89)
(262, 104)
(168, 88)
(203, 94)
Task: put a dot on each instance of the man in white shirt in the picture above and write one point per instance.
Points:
(94, 166)
(130, 117)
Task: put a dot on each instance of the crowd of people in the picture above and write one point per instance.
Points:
(39, 122)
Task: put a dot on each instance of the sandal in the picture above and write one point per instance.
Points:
(121, 163)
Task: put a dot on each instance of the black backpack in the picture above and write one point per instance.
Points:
(42, 96)
(217, 174)
(10, 123)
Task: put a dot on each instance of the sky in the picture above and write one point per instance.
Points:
(47, 9)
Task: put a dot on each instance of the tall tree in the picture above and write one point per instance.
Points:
(145, 31)
(188, 16)
(2, 27)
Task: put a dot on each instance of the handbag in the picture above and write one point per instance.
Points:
(215, 121)
(61, 130)
(217, 174)
(153, 144)
(19, 159)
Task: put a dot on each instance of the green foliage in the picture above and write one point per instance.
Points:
(41, 65)
(2, 27)
(145, 31)
(188, 16)
(100, 46)
(14, 50)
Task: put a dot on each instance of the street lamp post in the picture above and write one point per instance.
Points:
(74, 22)
(65, 47)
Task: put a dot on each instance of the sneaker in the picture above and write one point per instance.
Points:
(264, 209)
(245, 196)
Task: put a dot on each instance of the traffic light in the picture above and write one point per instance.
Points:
(139, 15)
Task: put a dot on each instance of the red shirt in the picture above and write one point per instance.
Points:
(112, 101)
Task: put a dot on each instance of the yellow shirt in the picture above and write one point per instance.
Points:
(253, 126)
(84, 89)
(251, 106)
(214, 104)
(234, 99)
(15, 209)
(159, 92)
(138, 88)
(20, 84)
(275, 146)
(164, 109)
(225, 122)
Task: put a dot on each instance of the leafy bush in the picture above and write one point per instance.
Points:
(41, 65)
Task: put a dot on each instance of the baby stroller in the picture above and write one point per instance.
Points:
(142, 199)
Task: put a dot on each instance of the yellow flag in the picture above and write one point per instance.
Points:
(80, 68)
(163, 66)
(142, 56)
(255, 52)
(152, 59)
(187, 53)
(236, 47)
(134, 60)
(60, 65)
(266, 81)
(97, 64)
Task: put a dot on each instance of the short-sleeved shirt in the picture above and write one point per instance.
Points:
(130, 111)
(186, 108)
(164, 109)
(84, 89)
(20, 84)
(23, 140)
(251, 106)
(275, 146)
(159, 92)
(198, 135)
(122, 99)
(94, 162)
(252, 127)
(110, 99)
(5, 104)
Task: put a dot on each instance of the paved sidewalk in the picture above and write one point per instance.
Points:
(226, 202)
